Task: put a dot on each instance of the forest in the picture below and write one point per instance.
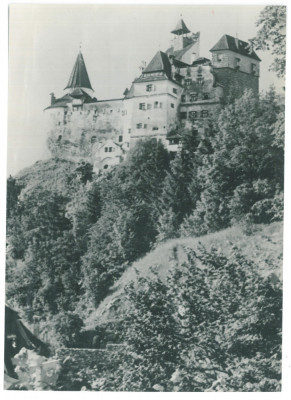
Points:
(214, 322)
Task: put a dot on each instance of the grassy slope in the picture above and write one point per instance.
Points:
(263, 246)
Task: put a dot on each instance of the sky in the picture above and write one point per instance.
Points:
(44, 41)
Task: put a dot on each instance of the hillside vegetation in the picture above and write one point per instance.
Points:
(264, 246)
(119, 253)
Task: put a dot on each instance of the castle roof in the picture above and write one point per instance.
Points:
(159, 63)
(178, 54)
(236, 45)
(79, 76)
(63, 102)
(181, 28)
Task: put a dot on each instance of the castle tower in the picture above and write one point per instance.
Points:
(79, 78)
(184, 45)
(236, 65)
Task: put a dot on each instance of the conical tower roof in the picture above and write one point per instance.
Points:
(181, 28)
(79, 77)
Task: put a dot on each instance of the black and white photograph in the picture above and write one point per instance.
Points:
(145, 198)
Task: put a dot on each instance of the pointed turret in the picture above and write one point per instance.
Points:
(79, 77)
(181, 28)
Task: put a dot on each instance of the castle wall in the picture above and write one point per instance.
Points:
(152, 114)
(230, 59)
(236, 82)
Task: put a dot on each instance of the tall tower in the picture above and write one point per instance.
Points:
(184, 45)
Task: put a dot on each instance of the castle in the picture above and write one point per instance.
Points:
(176, 88)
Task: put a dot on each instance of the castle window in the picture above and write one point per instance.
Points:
(193, 97)
(237, 63)
(120, 138)
(253, 68)
(149, 88)
(193, 114)
(175, 91)
(174, 141)
(145, 126)
(93, 139)
(205, 96)
(172, 105)
(204, 113)
(155, 128)
(188, 82)
(142, 106)
(129, 130)
(183, 98)
(183, 115)
(139, 126)
(161, 105)
(156, 104)
(109, 149)
(149, 106)
(105, 166)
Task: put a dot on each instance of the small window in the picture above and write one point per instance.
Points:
(205, 96)
(237, 63)
(193, 97)
(188, 82)
(149, 106)
(193, 114)
(105, 166)
(183, 98)
(183, 115)
(110, 149)
(155, 128)
(129, 130)
(204, 113)
(156, 104)
(120, 138)
(139, 126)
(149, 88)
(93, 139)
(145, 126)
(174, 141)
(175, 91)
(253, 68)
(172, 105)
(142, 106)
(161, 105)
(106, 149)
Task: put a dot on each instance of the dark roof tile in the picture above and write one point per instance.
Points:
(79, 76)
(238, 46)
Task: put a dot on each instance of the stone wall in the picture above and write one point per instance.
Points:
(235, 82)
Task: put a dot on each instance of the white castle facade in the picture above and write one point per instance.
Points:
(177, 88)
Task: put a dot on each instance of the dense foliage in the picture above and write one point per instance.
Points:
(272, 36)
(72, 233)
(214, 325)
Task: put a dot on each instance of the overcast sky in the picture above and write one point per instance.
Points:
(44, 41)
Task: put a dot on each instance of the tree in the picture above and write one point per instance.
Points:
(128, 221)
(245, 167)
(213, 325)
(272, 36)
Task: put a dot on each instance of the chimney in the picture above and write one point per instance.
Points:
(53, 99)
